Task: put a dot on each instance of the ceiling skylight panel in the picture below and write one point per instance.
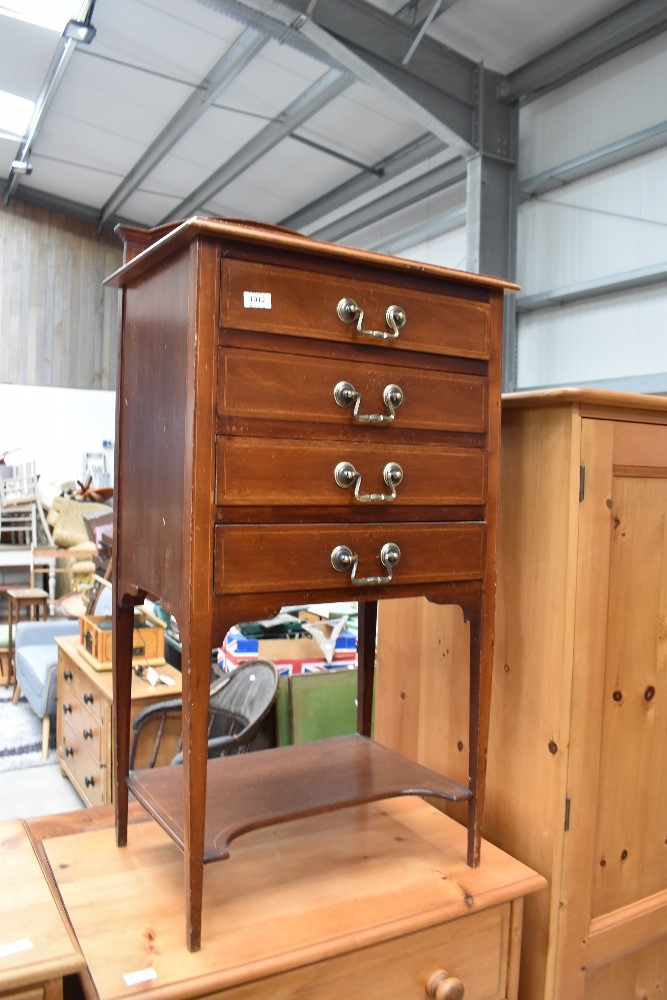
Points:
(51, 14)
(15, 114)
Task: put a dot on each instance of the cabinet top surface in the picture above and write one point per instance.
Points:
(103, 679)
(288, 895)
(585, 399)
(145, 248)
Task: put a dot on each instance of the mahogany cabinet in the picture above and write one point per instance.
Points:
(297, 422)
(577, 777)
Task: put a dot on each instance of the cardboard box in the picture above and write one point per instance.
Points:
(96, 640)
(291, 656)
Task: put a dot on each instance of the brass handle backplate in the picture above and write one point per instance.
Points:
(343, 559)
(349, 312)
(346, 395)
(346, 475)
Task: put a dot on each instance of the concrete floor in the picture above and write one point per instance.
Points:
(36, 791)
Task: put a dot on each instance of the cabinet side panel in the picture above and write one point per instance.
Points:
(423, 688)
(152, 417)
(528, 745)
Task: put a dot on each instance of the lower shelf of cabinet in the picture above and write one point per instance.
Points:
(253, 790)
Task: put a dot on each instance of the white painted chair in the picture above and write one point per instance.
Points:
(20, 506)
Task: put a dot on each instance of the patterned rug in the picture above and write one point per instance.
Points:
(21, 735)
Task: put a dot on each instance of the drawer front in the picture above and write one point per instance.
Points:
(81, 726)
(85, 770)
(257, 471)
(473, 949)
(275, 558)
(285, 300)
(76, 686)
(257, 385)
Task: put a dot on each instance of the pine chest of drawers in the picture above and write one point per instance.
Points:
(297, 422)
(83, 726)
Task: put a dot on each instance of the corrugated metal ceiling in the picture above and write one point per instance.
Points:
(293, 112)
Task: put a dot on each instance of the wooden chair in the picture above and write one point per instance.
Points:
(238, 704)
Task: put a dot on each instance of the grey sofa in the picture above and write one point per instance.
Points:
(36, 660)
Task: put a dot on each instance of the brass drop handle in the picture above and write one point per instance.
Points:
(343, 559)
(346, 395)
(346, 475)
(349, 312)
(441, 986)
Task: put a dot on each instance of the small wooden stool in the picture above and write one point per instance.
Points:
(37, 603)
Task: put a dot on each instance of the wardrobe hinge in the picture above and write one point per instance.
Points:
(567, 814)
(582, 482)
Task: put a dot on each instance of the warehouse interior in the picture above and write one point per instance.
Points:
(509, 149)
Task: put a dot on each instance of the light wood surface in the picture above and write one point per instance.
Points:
(365, 900)
(578, 738)
(36, 949)
(57, 325)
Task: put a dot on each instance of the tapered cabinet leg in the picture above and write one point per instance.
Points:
(196, 669)
(123, 627)
(481, 651)
(368, 611)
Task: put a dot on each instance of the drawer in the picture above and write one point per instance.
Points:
(257, 471)
(31, 992)
(282, 558)
(258, 385)
(77, 684)
(85, 770)
(81, 726)
(474, 949)
(284, 300)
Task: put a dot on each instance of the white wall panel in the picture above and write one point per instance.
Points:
(608, 223)
(447, 250)
(611, 102)
(618, 336)
(56, 427)
(613, 222)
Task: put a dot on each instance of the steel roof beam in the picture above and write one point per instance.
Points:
(410, 236)
(638, 144)
(394, 201)
(653, 274)
(225, 71)
(438, 86)
(329, 86)
(391, 166)
(418, 12)
(633, 24)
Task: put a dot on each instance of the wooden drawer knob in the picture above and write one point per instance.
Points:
(442, 986)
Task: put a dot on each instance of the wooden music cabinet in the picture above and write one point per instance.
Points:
(296, 422)
(579, 723)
